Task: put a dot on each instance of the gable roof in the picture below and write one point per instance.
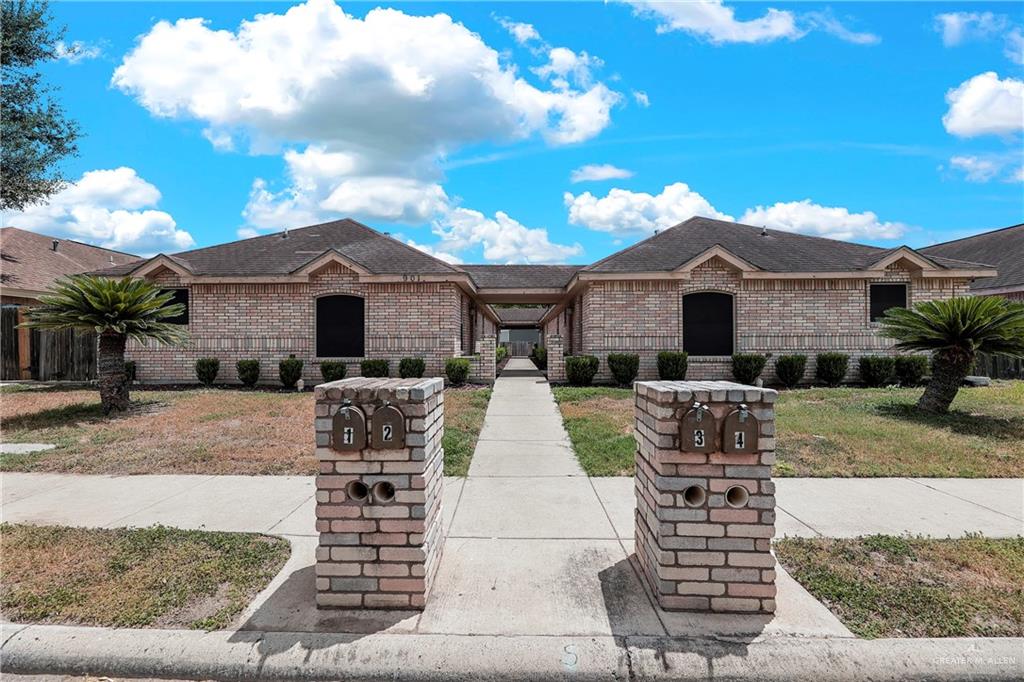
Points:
(764, 249)
(521, 276)
(519, 317)
(1003, 248)
(284, 253)
(29, 263)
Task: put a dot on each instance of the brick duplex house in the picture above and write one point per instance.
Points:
(712, 288)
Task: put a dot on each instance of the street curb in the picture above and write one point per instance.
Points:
(230, 655)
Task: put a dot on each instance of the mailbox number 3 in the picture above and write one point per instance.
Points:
(387, 432)
(698, 438)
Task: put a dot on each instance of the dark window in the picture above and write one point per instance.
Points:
(339, 327)
(707, 324)
(180, 296)
(885, 296)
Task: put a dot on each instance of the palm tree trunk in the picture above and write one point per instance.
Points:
(948, 372)
(113, 382)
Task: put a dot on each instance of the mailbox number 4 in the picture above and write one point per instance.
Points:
(698, 437)
(387, 432)
(740, 440)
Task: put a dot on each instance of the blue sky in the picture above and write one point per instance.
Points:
(883, 123)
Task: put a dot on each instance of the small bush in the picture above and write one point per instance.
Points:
(457, 370)
(540, 357)
(129, 370)
(289, 371)
(747, 367)
(411, 368)
(672, 365)
(333, 370)
(831, 368)
(206, 370)
(248, 372)
(580, 369)
(624, 367)
(790, 369)
(375, 368)
(500, 354)
(877, 370)
(910, 369)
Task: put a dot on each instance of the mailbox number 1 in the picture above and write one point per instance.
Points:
(386, 432)
(348, 435)
(740, 440)
(698, 438)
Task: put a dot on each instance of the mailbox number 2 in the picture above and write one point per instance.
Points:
(698, 438)
(740, 440)
(387, 433)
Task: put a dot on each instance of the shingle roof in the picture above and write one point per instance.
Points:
(29, 261)
(521, 316)
(769, 250)
(273, 254)
(1003, 249)
(521, 276)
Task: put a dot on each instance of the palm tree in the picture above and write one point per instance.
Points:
(117, 310)
(955, 331)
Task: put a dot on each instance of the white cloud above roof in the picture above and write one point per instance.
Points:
(623, 211)
(595, 172)
(503, 239)
(114, 208)
(985, 105)
(834, 222)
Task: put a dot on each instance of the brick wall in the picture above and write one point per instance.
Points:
(270, 321)
(775, 316)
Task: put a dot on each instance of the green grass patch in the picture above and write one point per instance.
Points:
(599, 421)
(464, 410)
(150, 577)
(888, 586)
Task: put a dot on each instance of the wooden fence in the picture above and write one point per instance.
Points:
(999, 367)
(68, 355)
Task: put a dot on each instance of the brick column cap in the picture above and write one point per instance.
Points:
(382, 388)
(705, 391)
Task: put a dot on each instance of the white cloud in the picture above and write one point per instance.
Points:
(221, 140)
(624, 211)
(75, 52)
(959, 27)
(565, 66)
(827, 22)
(522, 33)
(595, 172)
(111, 208)
(985, 105)
(1018, 175)
(1014, 49)
(443, 255)
(976, 169)
(641, 98)
(834, 222)
(717, 23)
(504, 240)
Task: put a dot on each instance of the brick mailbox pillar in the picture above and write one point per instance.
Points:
(378, 444)
(705, 512)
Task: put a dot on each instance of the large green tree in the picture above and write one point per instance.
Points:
(955, 331)
(117, 310)
(35, 132)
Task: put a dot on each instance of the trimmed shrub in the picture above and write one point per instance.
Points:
(747, 367)
(910, 369)
(580, 369)
(624, 367)
(457, 370)
(540, 357)
(500, 354)
(289, 371)
(206, 370)
(672, 365)
(374, 368)
(877, 370)
(129, 370)
(248, 372)
(411, 368)
(333, 370)
(831, 368)
(790, 369)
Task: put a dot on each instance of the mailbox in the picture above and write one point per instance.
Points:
(348, 429)
(388, 430)
(740, 431)
(699, 430)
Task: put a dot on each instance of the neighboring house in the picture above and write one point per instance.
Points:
(29, 263)
(520, 328)
(1003, 248)
(712, 288)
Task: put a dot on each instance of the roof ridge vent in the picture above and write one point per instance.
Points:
(764, 231)
(55, 244)
(284, 235)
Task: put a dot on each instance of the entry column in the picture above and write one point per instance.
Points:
(705, 512)
(378, 493)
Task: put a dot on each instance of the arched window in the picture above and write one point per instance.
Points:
(340, 326)
(707, 323)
